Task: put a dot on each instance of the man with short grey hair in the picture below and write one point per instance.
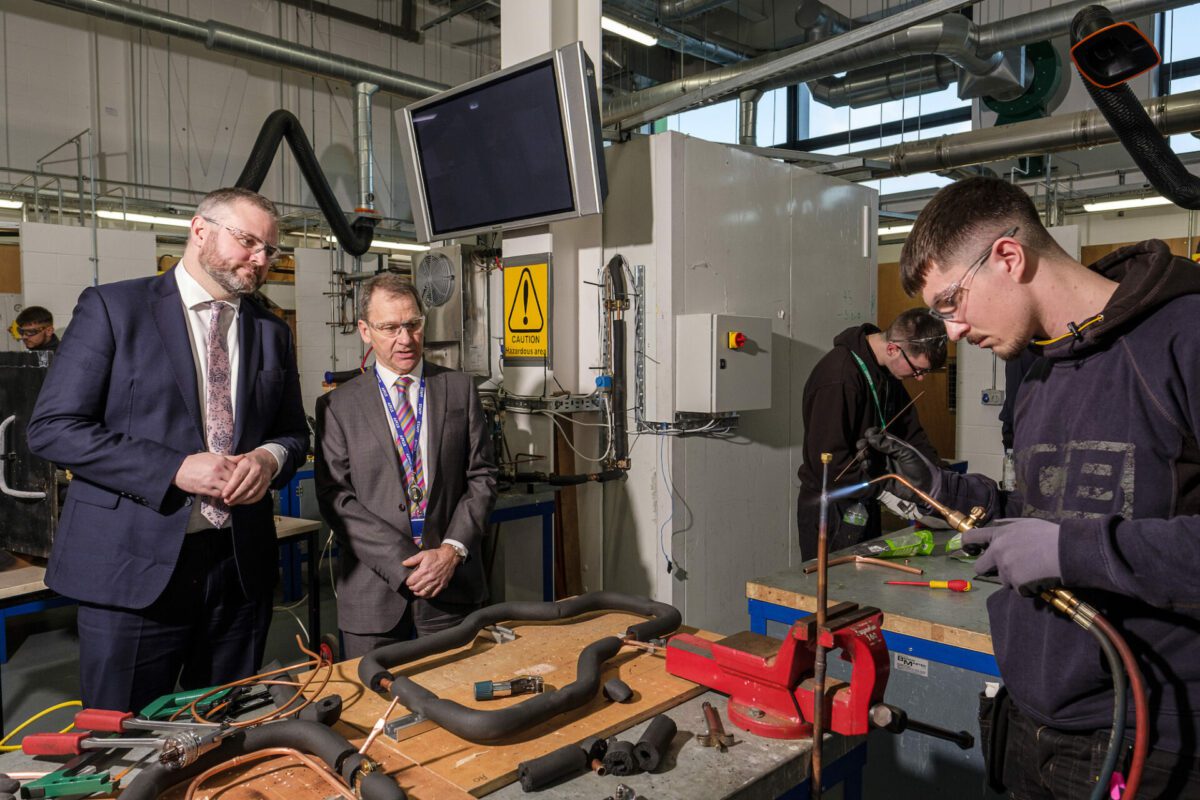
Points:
(405, 478)
(175, 402)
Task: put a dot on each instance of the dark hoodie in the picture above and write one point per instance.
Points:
(1106, 445)
(838, 408)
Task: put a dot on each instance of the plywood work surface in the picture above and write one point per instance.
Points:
(430, 762)
(958, 619)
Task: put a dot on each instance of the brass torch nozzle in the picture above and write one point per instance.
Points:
(959, 521)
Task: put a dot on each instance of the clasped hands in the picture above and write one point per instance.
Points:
(235, 480)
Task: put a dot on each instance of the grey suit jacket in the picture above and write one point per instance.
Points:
(359, 488)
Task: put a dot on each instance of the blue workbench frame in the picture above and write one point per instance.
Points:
(762, 612)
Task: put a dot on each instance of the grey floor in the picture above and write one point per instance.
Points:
(43, 665)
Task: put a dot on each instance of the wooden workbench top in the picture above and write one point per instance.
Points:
(958, 619)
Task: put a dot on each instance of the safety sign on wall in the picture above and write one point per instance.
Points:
(527, 309)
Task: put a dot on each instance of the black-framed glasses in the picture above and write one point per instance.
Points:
(916, 371)
(392, 329)
(248, 240)
(948, 301)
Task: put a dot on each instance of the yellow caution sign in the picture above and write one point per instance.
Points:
(527, 309)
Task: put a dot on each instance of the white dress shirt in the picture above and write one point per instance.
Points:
(197, 308)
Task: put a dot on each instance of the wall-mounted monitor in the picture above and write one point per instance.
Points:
(513, 149)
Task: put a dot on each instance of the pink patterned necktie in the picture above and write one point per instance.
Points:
(219, 422)
(414, 474)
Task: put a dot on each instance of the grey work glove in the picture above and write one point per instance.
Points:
(1022, 551)
(906, 461)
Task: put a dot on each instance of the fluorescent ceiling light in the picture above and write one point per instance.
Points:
(149, 219)
(1132, 202)
(390, 245)
(895, 229)
(11, 203)
(633, 34)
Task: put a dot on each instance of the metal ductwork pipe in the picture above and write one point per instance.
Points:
(1056, 21)
(251, 44)
(684, 9)
(1177, 113)
(364, 144)
(948, 36)
(819, 21)
(883, 82)
(748, 117)
(971, 47)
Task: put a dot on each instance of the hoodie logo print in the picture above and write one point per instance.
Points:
(1077, 480)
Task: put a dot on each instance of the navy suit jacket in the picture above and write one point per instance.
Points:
(120, 408)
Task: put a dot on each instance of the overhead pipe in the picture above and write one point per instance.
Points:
(707, 49)
(364, 145)
(251, 44)
(1177, 113)
(946, 35)
(748, 116)
(686, 9)
(884, 82)
(975, 45)
(819, 21)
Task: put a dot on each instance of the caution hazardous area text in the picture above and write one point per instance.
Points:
(526, 311)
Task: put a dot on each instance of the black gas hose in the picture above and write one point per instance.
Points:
(1150, 150)
(282, 124)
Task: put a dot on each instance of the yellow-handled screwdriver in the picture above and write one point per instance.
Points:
(955, 585)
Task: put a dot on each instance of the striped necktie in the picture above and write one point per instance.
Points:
(218, 407)
(414, 474)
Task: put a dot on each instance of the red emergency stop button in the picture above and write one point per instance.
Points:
(737, 340)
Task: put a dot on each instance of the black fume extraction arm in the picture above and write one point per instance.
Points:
(355, 238)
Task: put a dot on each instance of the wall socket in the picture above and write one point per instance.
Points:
(992, 397)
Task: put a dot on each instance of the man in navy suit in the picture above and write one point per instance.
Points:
(176, 403)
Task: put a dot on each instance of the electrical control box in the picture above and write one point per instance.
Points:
(722, 363)
(992, 397)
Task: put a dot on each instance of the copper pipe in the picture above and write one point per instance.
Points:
(959, 521)
(270, 752)
(863, 453)
(818, 729)
(879, 562)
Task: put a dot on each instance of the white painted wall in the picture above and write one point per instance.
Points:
(56, 263)
(172, 113)
(720, 230)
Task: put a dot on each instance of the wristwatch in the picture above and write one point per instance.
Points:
(458, 548)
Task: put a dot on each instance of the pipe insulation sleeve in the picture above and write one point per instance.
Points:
(653, 745)
(486, 726)
(565, 762)
(280, 125)
(1150, 150)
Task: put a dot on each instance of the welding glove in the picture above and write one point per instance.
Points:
(906, 461)
(1022, 551)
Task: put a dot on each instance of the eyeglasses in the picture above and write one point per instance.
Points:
(947, 302)
(249, 241)
(392, 329)
(916, 371)
(25, 333)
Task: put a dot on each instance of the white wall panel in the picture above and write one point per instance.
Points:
(723, 231)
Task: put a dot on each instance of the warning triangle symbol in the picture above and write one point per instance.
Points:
(526, 315)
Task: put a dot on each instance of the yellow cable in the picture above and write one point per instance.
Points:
(1092, 321)
(8, 748)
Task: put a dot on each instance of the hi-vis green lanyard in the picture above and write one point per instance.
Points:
(871, 386)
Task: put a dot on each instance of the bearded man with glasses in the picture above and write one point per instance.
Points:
(1107, 499)
(857, 386)
(175, 402)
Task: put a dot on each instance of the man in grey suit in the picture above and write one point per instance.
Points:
(406, 480)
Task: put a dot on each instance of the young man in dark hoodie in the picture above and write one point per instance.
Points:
(1108, 478)
(854, 387)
